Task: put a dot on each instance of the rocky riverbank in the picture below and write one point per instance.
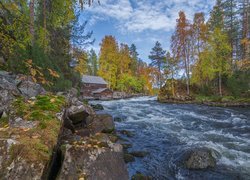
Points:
(47, 136)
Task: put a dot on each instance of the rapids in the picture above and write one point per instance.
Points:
(166, 130)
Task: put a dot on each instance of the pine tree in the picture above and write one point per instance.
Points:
(216, 17)
(157, 56)
(93, 63)
(231, 25)
(134, 59)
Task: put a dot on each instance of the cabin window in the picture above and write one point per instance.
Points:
(87, 85)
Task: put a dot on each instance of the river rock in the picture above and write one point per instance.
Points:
(139, 176)
(102, 123)
(200, 158)
(78, 114)
(128, 158)
(127, 133)
(97, 107)
(119, 119)
(139, 154)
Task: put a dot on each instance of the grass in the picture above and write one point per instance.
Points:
(36, 144)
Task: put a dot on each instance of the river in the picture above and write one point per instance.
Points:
(167, 130)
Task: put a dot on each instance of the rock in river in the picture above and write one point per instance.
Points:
(102, 123)
(200, 158)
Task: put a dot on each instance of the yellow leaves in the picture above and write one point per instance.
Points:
(37, 74)
(53, 73)
(52, 100)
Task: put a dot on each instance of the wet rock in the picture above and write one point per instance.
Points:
(139, 154)
(97, 107)
(200, 158)
(128, 158)
(30, 89)
(78, 114)
(127, 133)
(127, 146)
(102, 123)
(139, 176)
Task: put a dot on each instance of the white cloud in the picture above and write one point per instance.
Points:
(141, 15)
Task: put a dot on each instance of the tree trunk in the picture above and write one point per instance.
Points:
(220, 91)
(32, 18)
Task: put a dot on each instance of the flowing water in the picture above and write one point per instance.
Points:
(167, 130)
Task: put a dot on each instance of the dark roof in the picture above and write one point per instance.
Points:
(93, 79)
(100, 90)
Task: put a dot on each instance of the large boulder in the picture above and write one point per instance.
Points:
(13, 166)
(102, 123)
(8, 89)
(29, 88)
(200, 158)
(94, 160)
(78, 114)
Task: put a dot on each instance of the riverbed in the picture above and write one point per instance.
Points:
(165, 131)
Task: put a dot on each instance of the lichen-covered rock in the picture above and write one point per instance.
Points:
(20, 123)
(30, 89)
(8, 89)
(102, 123)
(96, 159)
(200, 158)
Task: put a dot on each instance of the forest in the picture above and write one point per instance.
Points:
(212, 57)
(46, 40)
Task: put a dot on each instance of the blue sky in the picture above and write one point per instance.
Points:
(142, 22)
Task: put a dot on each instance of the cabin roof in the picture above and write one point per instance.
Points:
(93, 79)
(100, 90)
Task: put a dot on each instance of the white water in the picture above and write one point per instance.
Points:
(166, 130)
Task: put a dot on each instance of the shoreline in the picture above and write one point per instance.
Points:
(208, 103)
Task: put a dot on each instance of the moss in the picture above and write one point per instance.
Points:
(4, 121)
(37, 144)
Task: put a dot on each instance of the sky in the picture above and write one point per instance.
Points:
(142, 22)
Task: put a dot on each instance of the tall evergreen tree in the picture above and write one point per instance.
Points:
(231, 25)
(157, 57)
(93, 63)
(134, 59)
(216, 17)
